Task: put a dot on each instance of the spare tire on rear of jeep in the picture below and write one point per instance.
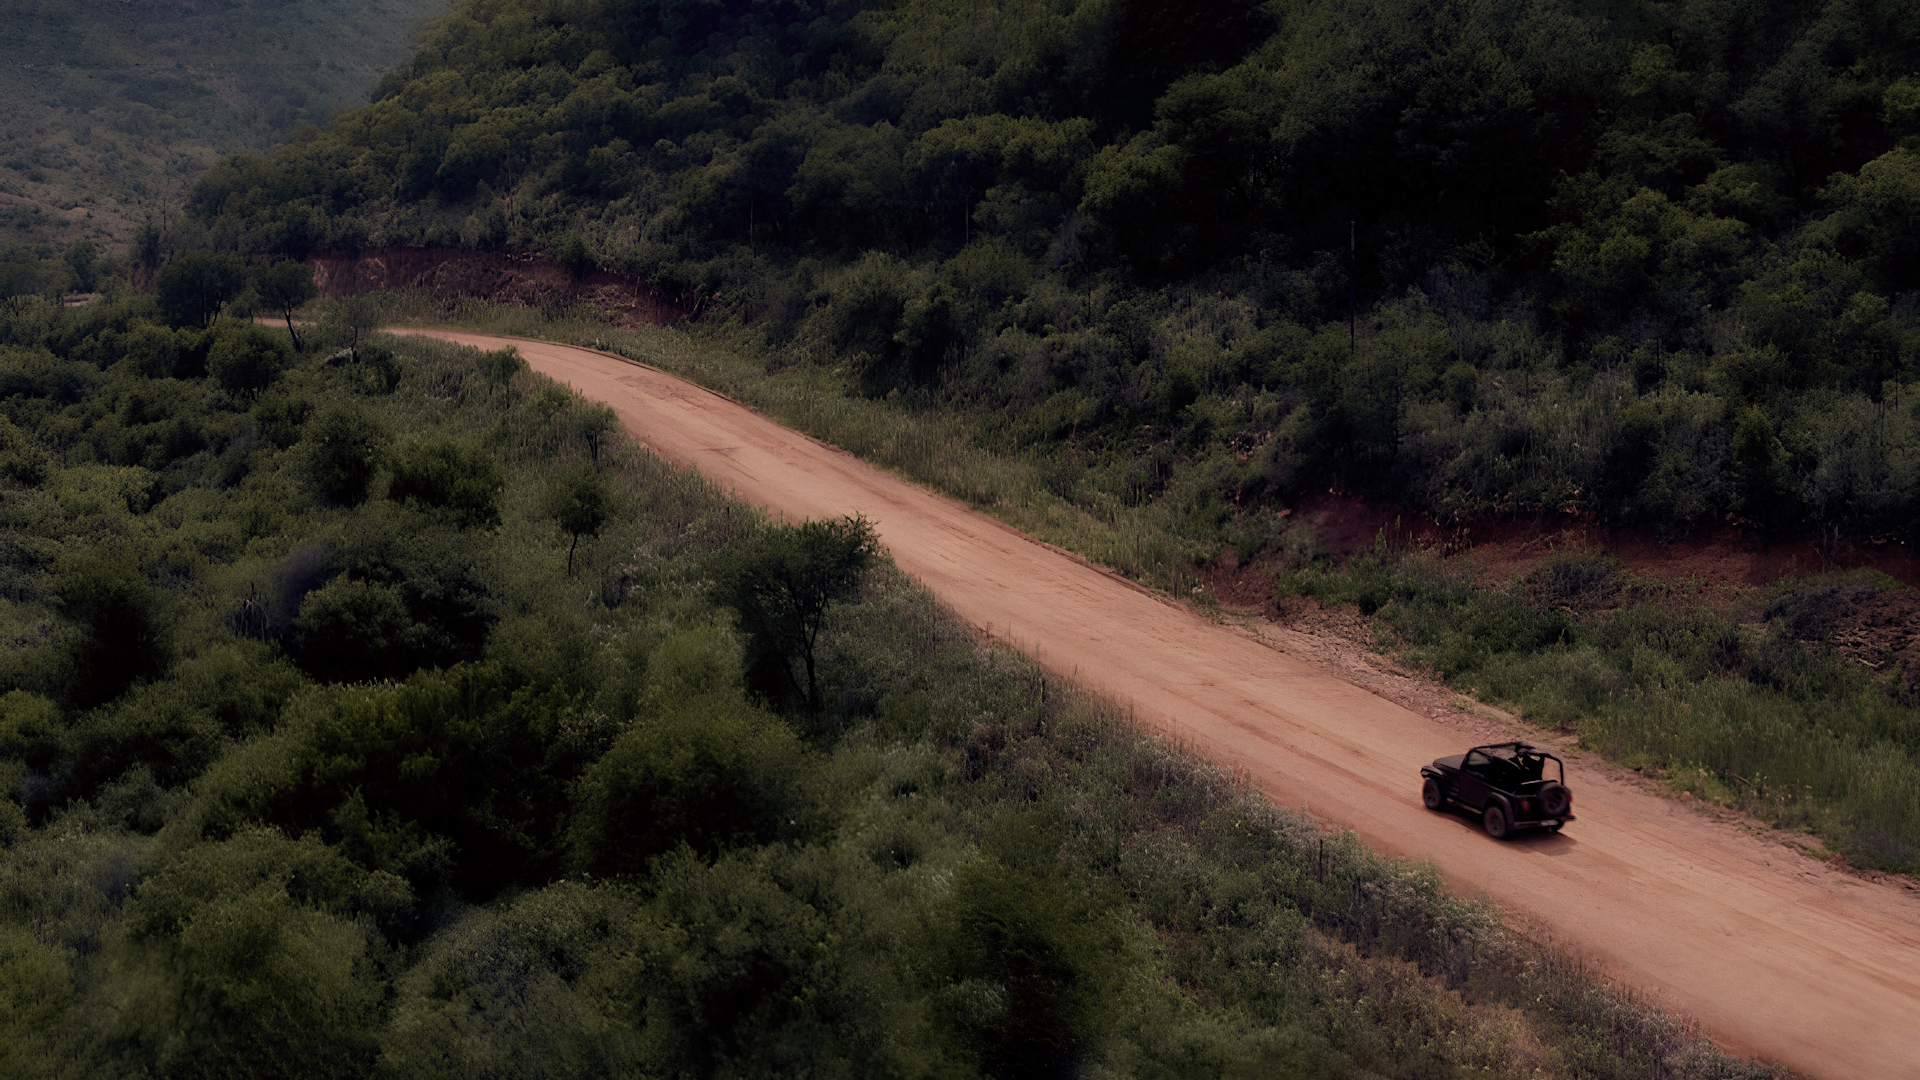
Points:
(1555, 800)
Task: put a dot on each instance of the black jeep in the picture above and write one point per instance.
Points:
(1506, 784)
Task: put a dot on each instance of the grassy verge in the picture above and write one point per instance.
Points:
(1740, 698)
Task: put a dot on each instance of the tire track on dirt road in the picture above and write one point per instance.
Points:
(1774, 953)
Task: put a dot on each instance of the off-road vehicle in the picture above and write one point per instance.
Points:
(1505, 783)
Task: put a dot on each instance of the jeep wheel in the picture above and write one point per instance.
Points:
(1555, 800)
(1431, 794)
(1495, 819)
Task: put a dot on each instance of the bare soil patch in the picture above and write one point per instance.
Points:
(1503, 548)
(519, 278)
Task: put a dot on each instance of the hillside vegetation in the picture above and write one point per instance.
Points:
(113, 111)
(386, 712)
(1651, 262)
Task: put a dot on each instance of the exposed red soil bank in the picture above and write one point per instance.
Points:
(526, 279)
(1878, 630)
(1775, 953)
(1500, 548)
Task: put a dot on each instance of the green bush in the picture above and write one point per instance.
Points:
(355, 631)
(344, 448)
(159, 727)
(709, 772)
(240, 960)
(245, 359)
(450, 476)
(31, 729)
(36, 996)
(120, 634)
(461, 762)
(1034, 966)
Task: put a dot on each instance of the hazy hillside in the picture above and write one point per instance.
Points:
(1652, 262)
(112, 110)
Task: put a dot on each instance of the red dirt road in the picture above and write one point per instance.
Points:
(1776, 954)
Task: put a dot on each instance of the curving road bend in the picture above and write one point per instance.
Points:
(1777, 955)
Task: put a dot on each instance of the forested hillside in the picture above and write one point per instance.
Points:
(387, 712)
(114, 110)
(1651, 262)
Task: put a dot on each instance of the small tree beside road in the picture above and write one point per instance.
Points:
(783, 583)
(284, 287)
(358, 316)
(580, 502)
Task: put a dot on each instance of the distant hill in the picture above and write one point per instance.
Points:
(1651, 262)
(112, 109)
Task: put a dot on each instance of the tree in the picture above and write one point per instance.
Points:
(121, 633)
(344, 449)
(245, 359)
(571, 251)
(194, 287)
(81, 258)
(358, 315)
(783, 583)
(580, 501)
(284, 287)
(148, 246)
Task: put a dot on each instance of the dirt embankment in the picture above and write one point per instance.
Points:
(522, 278)
(1877, 628)
(1499, 549)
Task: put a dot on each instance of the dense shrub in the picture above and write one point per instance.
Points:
(344, 449)
(709, 772)
(450, 476)
(245, 360)
(355, 631)
(119, 628)
(240, 958)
